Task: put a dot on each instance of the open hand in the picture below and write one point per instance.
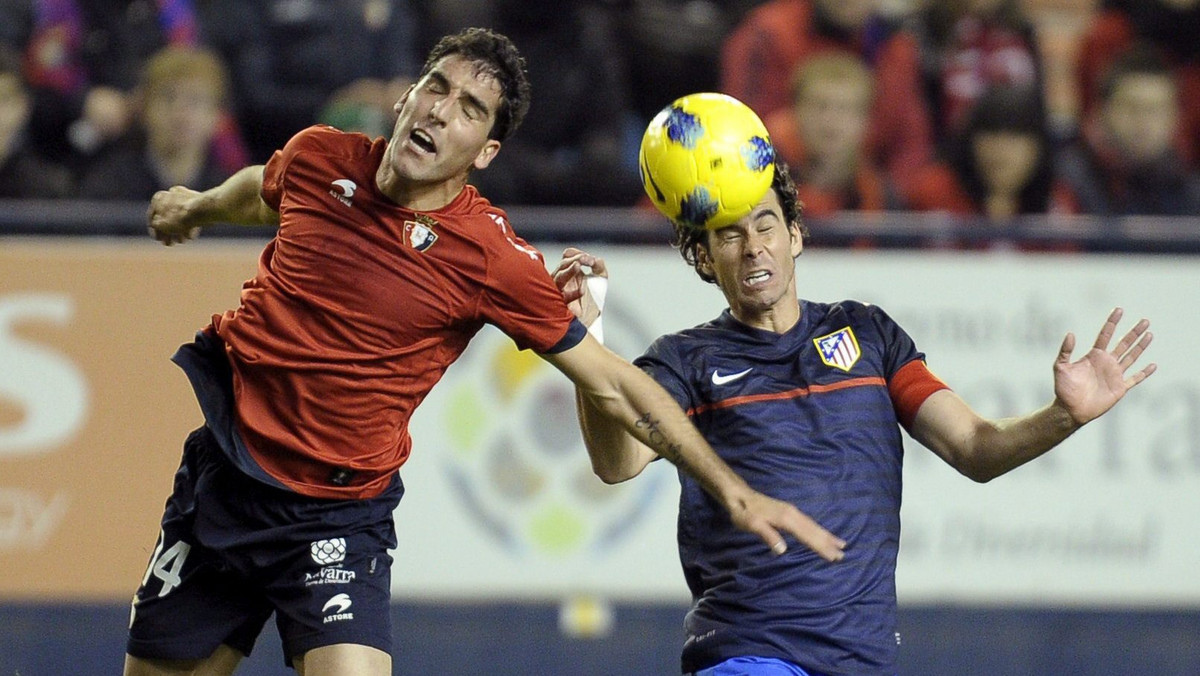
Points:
(1089, 387)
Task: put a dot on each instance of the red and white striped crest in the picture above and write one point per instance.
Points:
(838, 349)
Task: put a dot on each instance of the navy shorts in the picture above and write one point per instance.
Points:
(234, 550)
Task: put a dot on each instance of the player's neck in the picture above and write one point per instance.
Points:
(779, 318)
(417, 195)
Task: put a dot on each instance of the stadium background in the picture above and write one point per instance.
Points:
(514, 560)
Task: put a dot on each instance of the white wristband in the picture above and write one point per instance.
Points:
(598, 288)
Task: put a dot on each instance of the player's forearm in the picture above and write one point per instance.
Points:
(1001, 446)
(616, 455)
(650, 415)
(236, 201)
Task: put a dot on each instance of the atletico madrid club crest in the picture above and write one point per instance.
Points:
(419, 233)
(838, 349)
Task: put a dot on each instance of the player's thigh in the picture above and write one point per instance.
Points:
(344, 659)
(335, 592)
(221, 663)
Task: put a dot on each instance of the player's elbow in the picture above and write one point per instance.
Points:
(978, 474)
(610, 475)
(616, 463)
(613, 472)
(975, 466)
(962, 461)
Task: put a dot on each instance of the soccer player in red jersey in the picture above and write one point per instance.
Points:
(806, 401)
(385, 264)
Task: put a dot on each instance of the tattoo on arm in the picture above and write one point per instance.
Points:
(659, 442)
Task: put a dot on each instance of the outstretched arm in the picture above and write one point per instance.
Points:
(628, 419)
(178, 214)
(1083, 391)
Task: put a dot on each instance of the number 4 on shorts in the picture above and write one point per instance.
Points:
(167, 566)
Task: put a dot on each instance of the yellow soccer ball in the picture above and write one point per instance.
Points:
(706, 160)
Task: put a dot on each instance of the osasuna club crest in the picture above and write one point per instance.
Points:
(419, 233)
(838, 349)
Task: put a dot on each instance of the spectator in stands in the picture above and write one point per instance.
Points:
(1000, 166)
(1172, 27)
(181, 98)
(580, 144)
(761, 54)
(23, 173)
(82, 59)
(968, 46)
(1126, 161)
(822, 137)
(290, 59)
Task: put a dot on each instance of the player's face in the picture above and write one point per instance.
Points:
(443, 122)
(753, 262)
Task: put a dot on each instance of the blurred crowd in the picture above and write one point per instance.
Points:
(992, 108)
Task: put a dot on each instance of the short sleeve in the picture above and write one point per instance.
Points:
(899, 348)
(662, 363)
(522, 300)
(276, 169)
(910, 382)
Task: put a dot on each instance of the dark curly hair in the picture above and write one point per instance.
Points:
(689, 239)
(497, 56)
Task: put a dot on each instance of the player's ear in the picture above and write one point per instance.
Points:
(487, 153)
(797, 239)
(404, 98)
(704, 262)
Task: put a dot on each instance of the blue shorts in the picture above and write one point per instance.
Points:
(234, 550)
(753, 666)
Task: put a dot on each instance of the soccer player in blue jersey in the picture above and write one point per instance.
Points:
(805, 400)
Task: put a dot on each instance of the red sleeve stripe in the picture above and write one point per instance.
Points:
(788, 394)
(910, 387)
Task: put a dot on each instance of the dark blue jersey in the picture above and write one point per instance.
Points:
(808, 417)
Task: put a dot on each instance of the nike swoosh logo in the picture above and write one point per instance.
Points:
(719, 379)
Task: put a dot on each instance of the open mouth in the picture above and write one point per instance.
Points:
(422, 140)
(759, 277)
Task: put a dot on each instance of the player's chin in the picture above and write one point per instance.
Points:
(408, 169)
(759, 299)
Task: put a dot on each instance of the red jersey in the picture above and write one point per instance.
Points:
(359, 306)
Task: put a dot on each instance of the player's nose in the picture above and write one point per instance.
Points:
(437, 111)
